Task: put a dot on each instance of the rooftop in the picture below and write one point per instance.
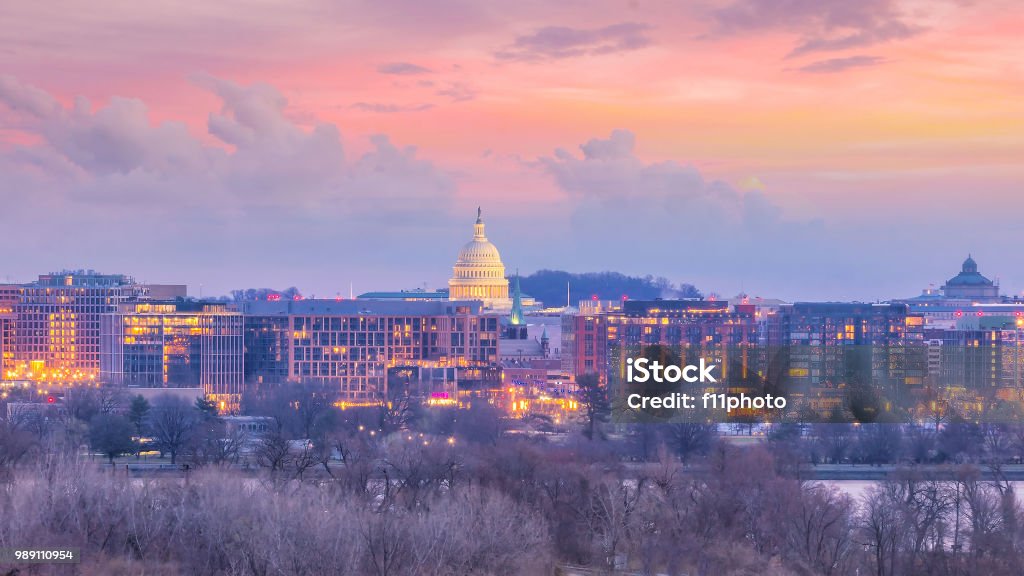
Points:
(357, 307)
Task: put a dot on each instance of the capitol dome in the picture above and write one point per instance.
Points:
(479, 251)
(479, 273)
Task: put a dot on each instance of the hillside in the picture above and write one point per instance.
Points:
(548, 286)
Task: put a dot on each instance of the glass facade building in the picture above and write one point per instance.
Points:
(57, 325)
(9, 296)
(175, 345)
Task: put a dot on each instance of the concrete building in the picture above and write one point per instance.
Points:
(355, 344)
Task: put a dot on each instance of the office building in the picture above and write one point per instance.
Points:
(817, 347)
(175, 345)
(9, 296)
(57, 324)
(597, 339)
(354, 345)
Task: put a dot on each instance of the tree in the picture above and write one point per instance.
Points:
(15, 443)
(273, 451)
(960, 440)
(138, 412)
(85, 403)
(111, 434)
(172, 422)
(395, 411)
(313, 410)
(549, 286)
(213, 443)
(593, 398)
(880, 443)
(302, 410)
(834, 440)
(481, 422)
(687, 439)
(207, 408)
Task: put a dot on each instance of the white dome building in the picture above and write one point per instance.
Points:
(479, 272)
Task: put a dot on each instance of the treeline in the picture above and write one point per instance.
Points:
(402, 488)
(514, 507)
(223, 522)
(250, 294)
(956, 442)
(549, 286)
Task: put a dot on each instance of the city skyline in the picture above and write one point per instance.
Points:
(802, 151)
(932, 290)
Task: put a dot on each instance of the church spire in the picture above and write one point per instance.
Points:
(516, 318)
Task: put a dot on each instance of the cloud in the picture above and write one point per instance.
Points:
(402, 69)
(884, 33)
(823, 25)
(390, 108)
(667, 216)
(840, 64)
(117, 138)
(458, 92)
(557, 42)
(26, 99)
(114, 185)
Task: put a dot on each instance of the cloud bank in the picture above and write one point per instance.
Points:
(557, 42)
(108, 180)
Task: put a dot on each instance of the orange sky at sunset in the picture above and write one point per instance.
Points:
(870, 127)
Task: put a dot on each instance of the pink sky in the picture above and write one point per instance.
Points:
(901, 118)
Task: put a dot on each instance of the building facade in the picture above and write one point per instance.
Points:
(52, 332)
(57, 324)
(175, 345)
(820, 351)
(9, 296)
(598, 339)
(354, 345)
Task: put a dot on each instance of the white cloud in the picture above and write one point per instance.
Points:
(109, 181)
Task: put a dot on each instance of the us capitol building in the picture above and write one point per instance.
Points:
(479, 273)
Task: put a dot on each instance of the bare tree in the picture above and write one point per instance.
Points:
(213, 443)
(172, 422)
(882, 531)
(111, 434)
(273, 451)
(15, 443)
(593, 399)
(819, 529)
(688, 439)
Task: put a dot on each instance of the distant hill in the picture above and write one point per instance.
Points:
(548, 286)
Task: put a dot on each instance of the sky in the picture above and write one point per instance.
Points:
(798, 149)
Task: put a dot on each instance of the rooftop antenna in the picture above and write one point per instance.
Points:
(350, 291)
(567, 302)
